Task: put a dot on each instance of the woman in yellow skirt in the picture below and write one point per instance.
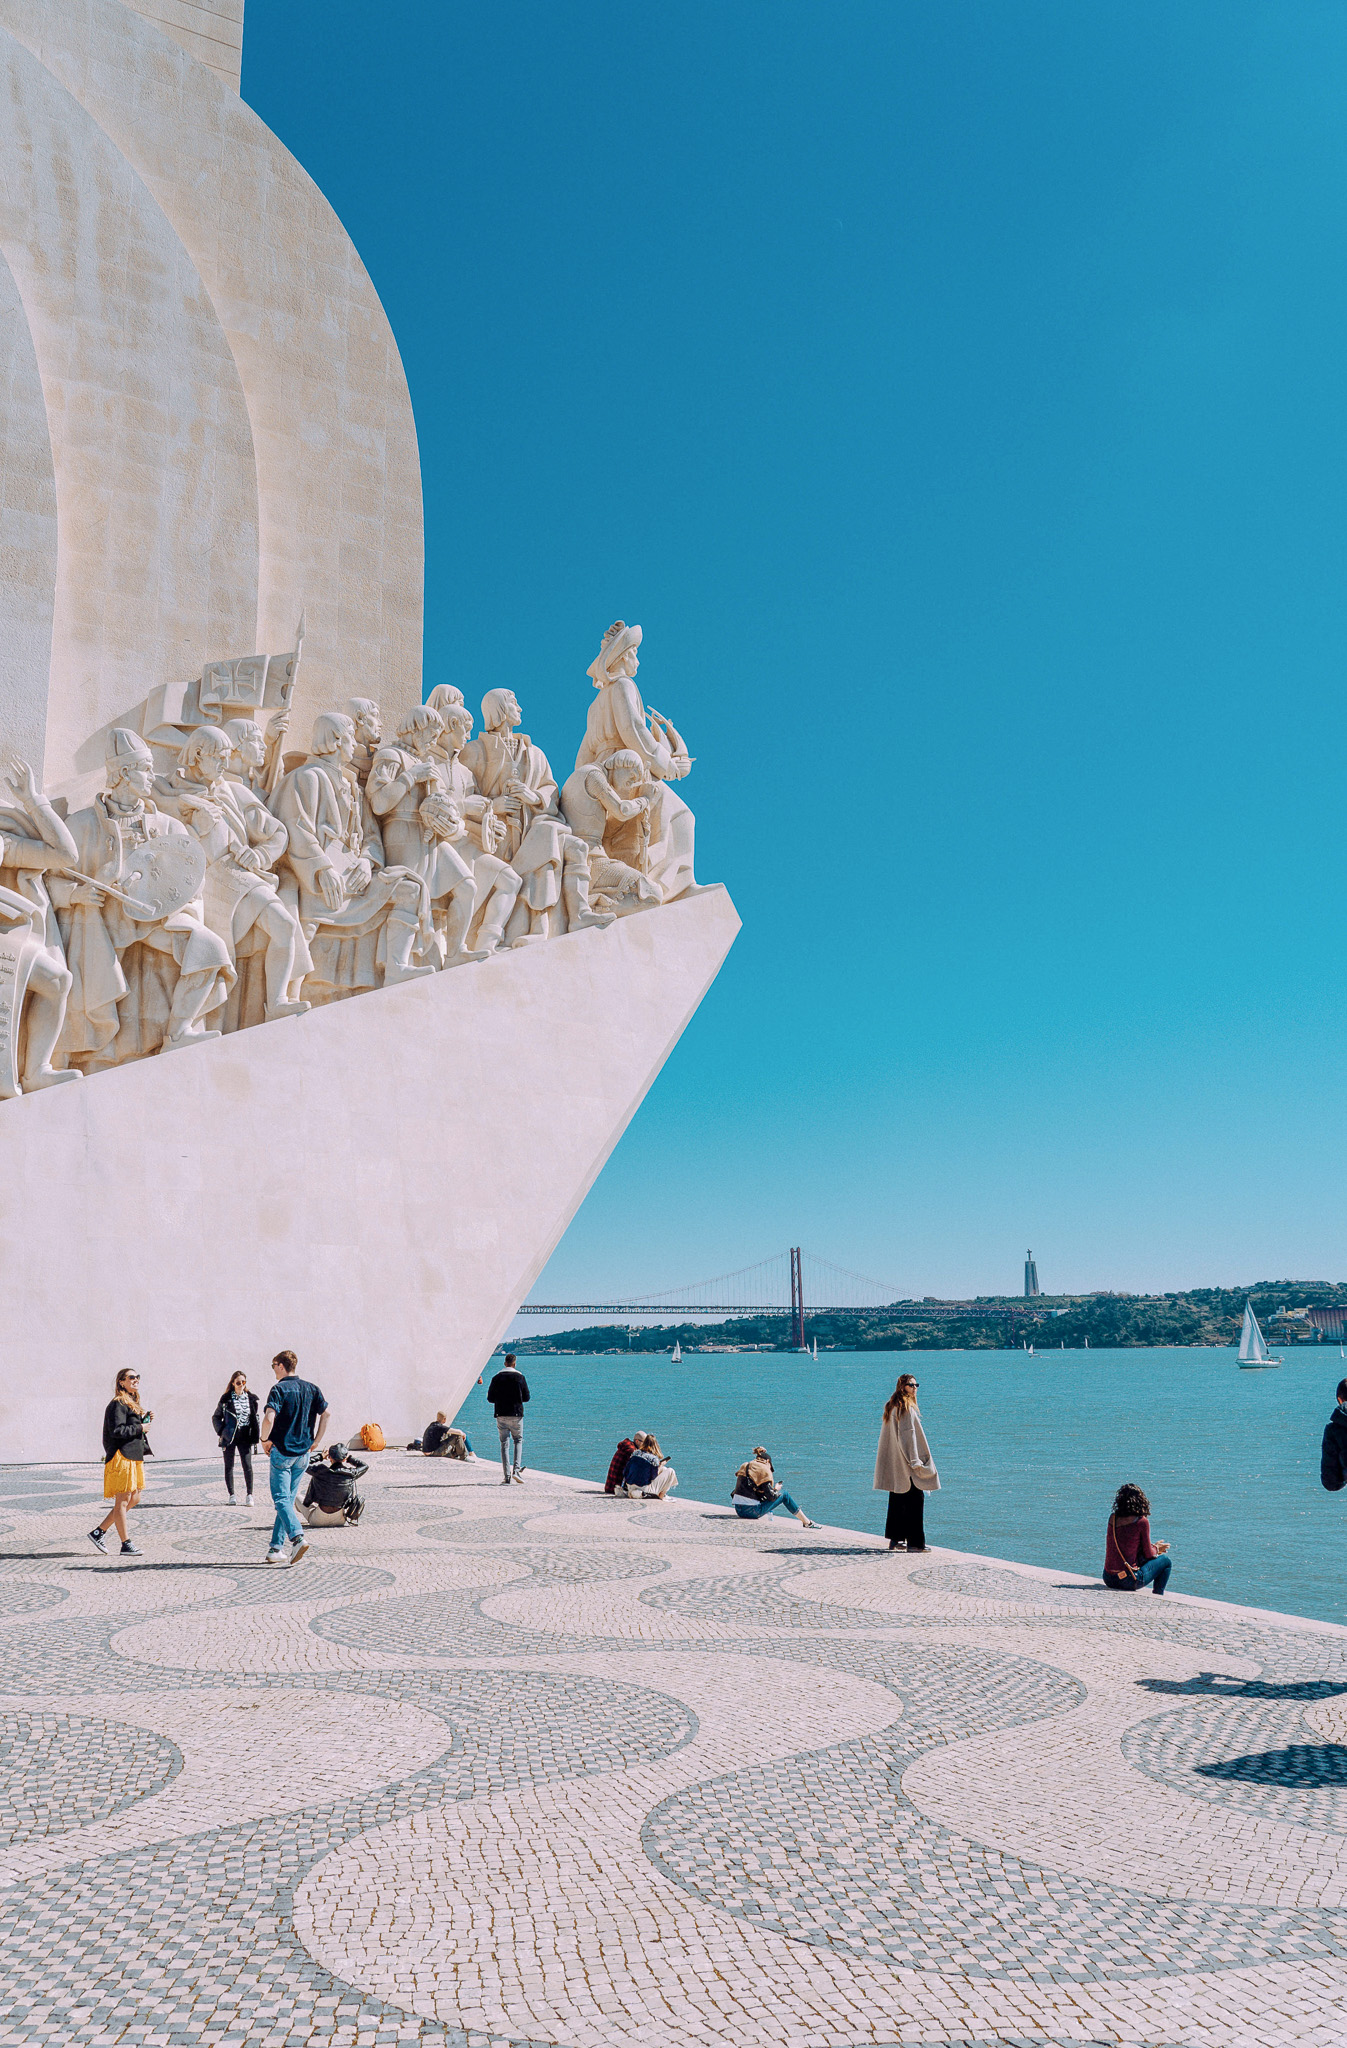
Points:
(125, 1447)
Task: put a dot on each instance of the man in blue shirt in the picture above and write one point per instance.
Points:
(288, 1434)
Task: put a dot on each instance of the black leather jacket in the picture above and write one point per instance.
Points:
(124, 1431)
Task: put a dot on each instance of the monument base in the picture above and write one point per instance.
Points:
(374, 1186)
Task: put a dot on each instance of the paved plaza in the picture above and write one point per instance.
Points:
(564, 1769)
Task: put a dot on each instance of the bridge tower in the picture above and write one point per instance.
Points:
(796, 1299)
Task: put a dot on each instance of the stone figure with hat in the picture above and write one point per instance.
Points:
(148, 973)
(618, 721)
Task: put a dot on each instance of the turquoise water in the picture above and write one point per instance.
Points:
(1030, 1450)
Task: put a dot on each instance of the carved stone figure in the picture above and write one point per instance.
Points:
(554, 863)
(242, 843)
(34, 979)
(368, 721)
(498, 884)
(141, 983)
(255, 758)
(608, 806)
(423, 827)
(444, 697)
(363, 922)
(618, 719)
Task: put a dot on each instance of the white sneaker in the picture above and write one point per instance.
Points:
(249, 1501)
(232, 1502)
(277, 1557)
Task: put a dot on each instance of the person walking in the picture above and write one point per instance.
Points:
(288, 1436)
(238, 1428)
(904, 1468)
(125, 1448)
(1131, 1560)
(1333, 1450)
(758, 1492)
(507, 1394)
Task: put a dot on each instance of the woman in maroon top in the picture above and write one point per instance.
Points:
(1131, 1560)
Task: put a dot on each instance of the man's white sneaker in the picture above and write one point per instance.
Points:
(276, 1557)
(232, 1502)
(297, 1550)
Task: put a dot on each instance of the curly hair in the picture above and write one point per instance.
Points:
(1130, 1500)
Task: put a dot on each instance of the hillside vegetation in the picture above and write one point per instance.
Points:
(1200, 1315)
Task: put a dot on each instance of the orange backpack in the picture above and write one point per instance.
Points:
(371, 1437)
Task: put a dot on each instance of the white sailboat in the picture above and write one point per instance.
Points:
(814, 1353)
(677, 1354)
(1253, 1352)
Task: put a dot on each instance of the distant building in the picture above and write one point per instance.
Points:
(1031, 1285)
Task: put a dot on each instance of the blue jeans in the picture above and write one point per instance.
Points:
(764, 1507)
(286, 1475)
(1155, 1569)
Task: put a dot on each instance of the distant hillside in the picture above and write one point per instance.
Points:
(1201, 1315)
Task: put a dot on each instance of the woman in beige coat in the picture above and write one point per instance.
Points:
(904, 1468)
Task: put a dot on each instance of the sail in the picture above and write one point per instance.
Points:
(677, 1352)
(1252, 1349)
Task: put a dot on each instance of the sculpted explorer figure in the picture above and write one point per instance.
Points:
(421, 827)
(498, 884)
(362, 921)
(242, 842)
(618, 720)
(34, 979)
(144, 979)
(608, 806)
(541, 847)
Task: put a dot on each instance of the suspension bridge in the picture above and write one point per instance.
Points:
(776, 1287)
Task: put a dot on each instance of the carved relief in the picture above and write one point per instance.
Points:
(218, 881)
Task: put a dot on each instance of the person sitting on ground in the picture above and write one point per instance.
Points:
(649, 1475)
(443, 1440)
(1333, 1450)
(757, 1491)
(1131, 1560)
(332, 1498)
(618, 1466)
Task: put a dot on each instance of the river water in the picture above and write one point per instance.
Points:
(1030, 1450)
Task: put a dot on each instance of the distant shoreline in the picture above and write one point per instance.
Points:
(1200, 1318)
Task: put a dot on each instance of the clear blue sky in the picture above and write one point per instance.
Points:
(956, 394)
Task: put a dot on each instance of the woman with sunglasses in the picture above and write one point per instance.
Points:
(904, 1468)
(125, 1447)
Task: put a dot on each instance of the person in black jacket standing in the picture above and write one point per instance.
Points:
(1333, 1452)
(237, 1423)
(507, 1394)
(125, 1447)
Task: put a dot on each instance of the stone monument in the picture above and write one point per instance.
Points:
(211, 852)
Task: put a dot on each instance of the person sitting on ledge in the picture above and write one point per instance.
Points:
(442, 1440)
(757, 1491)
(649, 1475)
(331, 1498)
(617, 1469)
(1131, 1560)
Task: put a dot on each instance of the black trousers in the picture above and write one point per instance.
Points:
(245, 1457)
(903, 1523)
